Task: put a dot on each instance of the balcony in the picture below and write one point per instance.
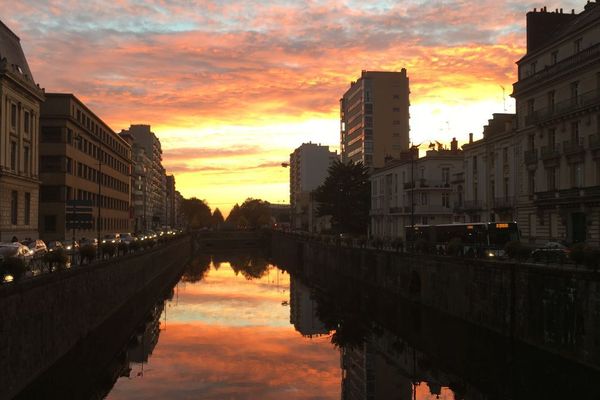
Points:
(473, 205)
(595, 142)
(432, 209)
(550, 153)
(426, 184)
(458, 177)
(573, 147)
(569, 193)
(563, 108)
(553, 70)
(502, 203)
(531, 157)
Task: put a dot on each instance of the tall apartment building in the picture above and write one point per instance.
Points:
(309, 166)
(412, 190)
(558, 115)
(140, 183)
(487, 189)
(171, 205)
(19, 139)
(374, 118)
(81, 158)
(155, 195)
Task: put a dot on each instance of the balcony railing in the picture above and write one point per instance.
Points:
(504, 202)
(569, 193)
(563, 107)
(540, 196)
(432, 209)
(531, 156)
(458, 177)
(552, 70)
(473, 205)
(549, 152)
(573, 147)
(427, 184)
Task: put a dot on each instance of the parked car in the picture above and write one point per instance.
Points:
(85, 242)
(37, 247)
(17, 250)
(54, 244)
(111, 238)
(126, 238)
(72, 246)
(551, 252)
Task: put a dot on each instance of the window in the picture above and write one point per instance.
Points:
(51, 135)
(506, 188)
(505, 155)
(396, 97)
(396, 109)
(551, 179)
(577, 45)
(424, 199)
(575, 92)
(13, 155)
(575, 132)
(396, 122)
(551, 138)
(474, 164)
(445, 176)
(530, 106)
(532, 67)
(14, 204)
(531, 142)
(50, 223)
(26, 122)
(446, 200)
(577, 175)
(27, 211)
(475, 191)
(551, 100)
(26, 159)
(554, 57)
(531, 182)
(13, 116)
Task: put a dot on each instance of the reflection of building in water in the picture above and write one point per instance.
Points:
(144, 342)
(303, 310)
(384, 368)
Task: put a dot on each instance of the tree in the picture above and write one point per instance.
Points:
(197, 213)
(217, 218)
(345, 195)
(256, 212)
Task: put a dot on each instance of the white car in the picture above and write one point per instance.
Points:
(16, 250)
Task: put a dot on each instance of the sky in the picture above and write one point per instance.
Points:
(232, 87)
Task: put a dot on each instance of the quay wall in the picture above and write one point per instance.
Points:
(553, 308)
(43, 318)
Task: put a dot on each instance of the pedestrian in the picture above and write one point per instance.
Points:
(14, 239)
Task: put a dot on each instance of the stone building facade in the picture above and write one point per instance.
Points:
(558, 122)
(19, 141)
(81, 158)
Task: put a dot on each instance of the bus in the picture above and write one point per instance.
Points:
(482, 239)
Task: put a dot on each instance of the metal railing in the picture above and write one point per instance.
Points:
(549, 152)
(572, 104)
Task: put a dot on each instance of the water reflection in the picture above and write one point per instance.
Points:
(237, 327)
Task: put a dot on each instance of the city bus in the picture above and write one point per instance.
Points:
(478, 238)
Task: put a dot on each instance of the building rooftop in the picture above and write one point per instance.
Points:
(12, 57)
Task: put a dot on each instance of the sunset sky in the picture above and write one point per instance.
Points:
(232, 87)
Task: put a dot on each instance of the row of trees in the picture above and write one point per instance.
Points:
(252, 214)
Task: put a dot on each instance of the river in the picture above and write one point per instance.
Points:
(235, 326)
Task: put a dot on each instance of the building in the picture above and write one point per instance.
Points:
(140, 182)
(411, 190)
(303, 310)
(81, 158)
(374, 118)
(19, 139)
(309, 165)
(171, 206)
(558, 119)
(156, 194)
(487, 186)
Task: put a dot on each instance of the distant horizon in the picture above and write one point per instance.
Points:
(232, 89)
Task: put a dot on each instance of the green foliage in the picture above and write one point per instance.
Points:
(14, 266)
(197, 213)
(345, 195)
(454, 247)
(87, 253)
(217, 218)
(252, 214)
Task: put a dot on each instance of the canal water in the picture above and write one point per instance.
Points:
(236, 326)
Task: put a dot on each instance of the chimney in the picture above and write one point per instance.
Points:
(470, 138)
(454, 144)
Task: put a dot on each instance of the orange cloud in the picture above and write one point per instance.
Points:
(216, 77)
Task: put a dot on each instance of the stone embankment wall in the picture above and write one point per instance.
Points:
(551, 307)
(42, 319)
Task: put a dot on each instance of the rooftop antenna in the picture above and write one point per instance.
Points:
(503, 97)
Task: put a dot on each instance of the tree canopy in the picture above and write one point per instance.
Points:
(253, 213)
(345, 195)
(217, 218)
(197, 213)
